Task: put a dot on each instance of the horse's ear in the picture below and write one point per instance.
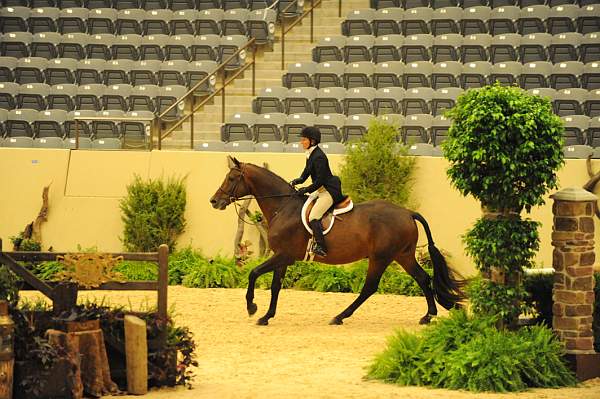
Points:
(232, 162)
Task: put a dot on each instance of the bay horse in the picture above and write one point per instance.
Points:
(377, 230)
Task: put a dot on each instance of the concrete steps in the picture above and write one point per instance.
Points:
(207, 121)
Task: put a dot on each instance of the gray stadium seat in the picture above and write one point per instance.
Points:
(269, 127)
(229, 45)
(234, 22)
(88, 97)
(61, 97)
(532, 19)
(358, 74)
(562, 18)
(446, 74)
(48, 128)
(299, 100)
(333, 148)
(14, 19)
(439, 129)
(504, 47)
(475, 20)
(239, 146)
(90, 71)
(30, 70)
(269, 99)
(387, 74)
(15, 44)
(535, 74)
(172, 73)
(183, 21)
(590, 78)
(569, 101)
(417, 100)
(358, 100)
(533, 47)
(167, 96)
(591, 104)
(566, 75)
(329, 74)
(475, 74)
(329, 100)
(444, 99)
(331, 126)
(575, 129)
(129, 21)
(474, 47)
(117, 71)
(126, 47)
(8, 94)
(563, 47)
(299, 74)
(416, 74)
(358, 48)
(206, 145)
(446, 47)
(416, 21)
(152, 47)
(269, 146)
(415, 129)
(73, 20)
(98, 46)
(198, 71)
(387, 100)
(142, 98)
(355, 127)
(507, 73)
(33, 96)
(209, 22)
(206, 47)
(238, 127)
(45, 45)
(416, 48)
(43, 19)
(358, 22)
(387, 48)
(261, 26)
(386, 21)
(73, 45)
(144, 72)
(503, 20)
(178, 48)
(102, 20)
(589, 50)
(444, 21)
(329, 48)
(156, 22)
(116, 97)
(19, 123)
(7, 67)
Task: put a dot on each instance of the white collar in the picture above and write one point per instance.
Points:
(309, 151)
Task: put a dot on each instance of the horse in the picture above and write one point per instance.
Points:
(378, 230)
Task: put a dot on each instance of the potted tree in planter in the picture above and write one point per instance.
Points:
(504, 148)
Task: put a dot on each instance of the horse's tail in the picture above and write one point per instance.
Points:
(446, 288)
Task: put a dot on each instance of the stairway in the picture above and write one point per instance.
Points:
(238, 96)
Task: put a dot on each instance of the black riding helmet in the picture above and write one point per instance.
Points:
(311, 132)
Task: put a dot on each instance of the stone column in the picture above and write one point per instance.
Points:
(573, 261)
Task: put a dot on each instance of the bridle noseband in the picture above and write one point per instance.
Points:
(232, 198)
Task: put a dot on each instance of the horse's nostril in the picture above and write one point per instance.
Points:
(213, 201)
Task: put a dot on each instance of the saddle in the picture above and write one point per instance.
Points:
(329, 218)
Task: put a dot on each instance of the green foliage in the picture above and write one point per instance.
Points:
(48, 270)
(20, 243)
(492, 299)
(493, 243)
(326, 279)
(460, 352)
(214, 273)
(137, 271)
(153, 213)
(378, 168)
(9, 290)
(181, 262)
(504, 147)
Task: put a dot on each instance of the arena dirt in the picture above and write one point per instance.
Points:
(298, 355)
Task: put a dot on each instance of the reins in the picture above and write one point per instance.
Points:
(233, 199)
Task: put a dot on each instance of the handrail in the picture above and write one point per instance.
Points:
(206, 100)
(285, 30)
(200, 83)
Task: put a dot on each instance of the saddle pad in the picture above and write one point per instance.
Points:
(329, 218)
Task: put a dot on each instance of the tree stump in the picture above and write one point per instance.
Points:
(70, 345)
(85, 341)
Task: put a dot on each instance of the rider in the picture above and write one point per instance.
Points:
(326, 187)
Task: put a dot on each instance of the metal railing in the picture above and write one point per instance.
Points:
(285, 29)
(152, 122)
(221, 90)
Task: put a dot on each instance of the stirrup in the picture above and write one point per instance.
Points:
(319, 250)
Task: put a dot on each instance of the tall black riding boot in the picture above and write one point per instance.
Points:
(319, 248)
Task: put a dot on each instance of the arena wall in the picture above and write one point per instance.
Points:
(86, 187)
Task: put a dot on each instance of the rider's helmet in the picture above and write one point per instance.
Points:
(313, 133)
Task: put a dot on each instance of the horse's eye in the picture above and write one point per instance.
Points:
(230, 178)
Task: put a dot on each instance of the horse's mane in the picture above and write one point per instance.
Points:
(273, 175)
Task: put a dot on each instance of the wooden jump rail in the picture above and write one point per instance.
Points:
(64, 294)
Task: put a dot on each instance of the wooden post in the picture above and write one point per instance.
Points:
(163, 279)
(64, 297)
(136, 355)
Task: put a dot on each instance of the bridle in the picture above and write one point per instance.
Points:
(233, 199)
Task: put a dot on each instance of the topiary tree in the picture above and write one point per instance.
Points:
(153, 213)
(504, 148)
(376, 167)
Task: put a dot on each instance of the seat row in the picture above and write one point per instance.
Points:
(69, 71)
(59, 129)
(174, 5)
(80, 46)
(377, 4)
(469, 21)
(454, 47)
(412, 129)
(396, 100)
(564, 75)
(93, 97)
(139, 22)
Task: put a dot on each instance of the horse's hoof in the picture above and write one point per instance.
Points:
(263, 321)
(251, 309)
(425, 319)
(336, 322)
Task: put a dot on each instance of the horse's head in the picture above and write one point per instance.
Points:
(233, 187)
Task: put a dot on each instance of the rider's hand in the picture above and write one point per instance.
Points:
(295, 182)
(302, 190)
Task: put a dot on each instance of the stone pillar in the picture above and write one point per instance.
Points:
(573, 261)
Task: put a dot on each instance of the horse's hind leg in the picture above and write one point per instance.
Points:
(278, 276)
(413, 268)
(374, 273)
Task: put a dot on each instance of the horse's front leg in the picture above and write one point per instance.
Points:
(278, 276)
(265, 267)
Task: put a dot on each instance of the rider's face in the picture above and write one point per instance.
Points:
(305, 143)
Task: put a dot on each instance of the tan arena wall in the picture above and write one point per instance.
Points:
(86, 187)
